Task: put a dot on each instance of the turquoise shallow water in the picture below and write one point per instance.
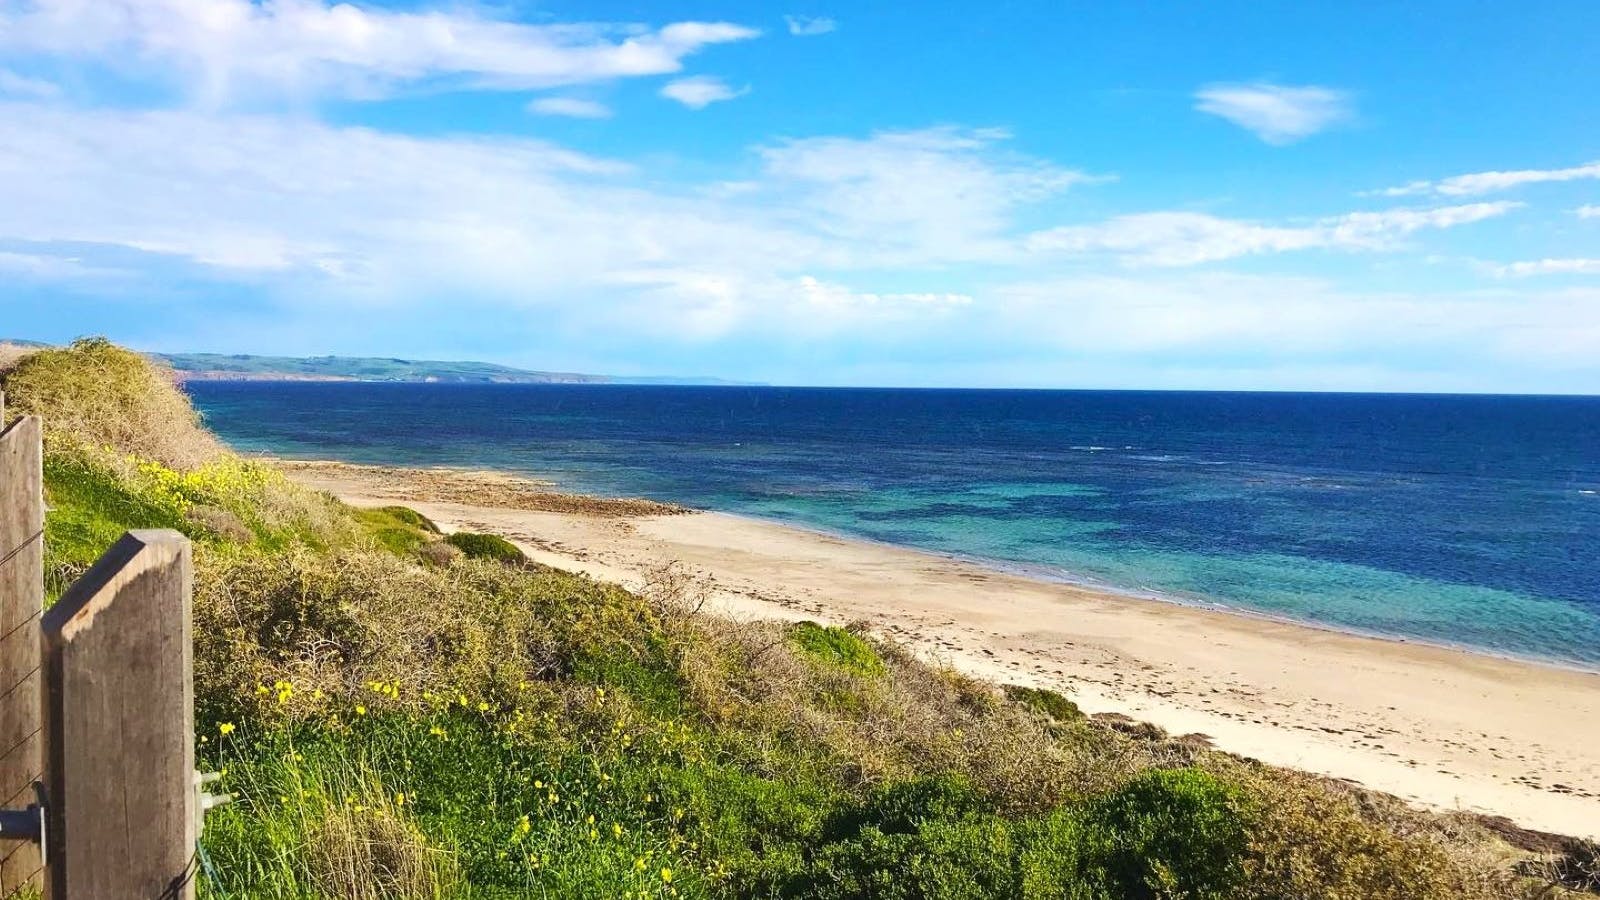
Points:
(1471, 521)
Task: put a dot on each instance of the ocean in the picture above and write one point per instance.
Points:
(1462, 520)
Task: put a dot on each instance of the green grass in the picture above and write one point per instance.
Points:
(834, 646)
(465, 804)
(398, 529)
(90, 507)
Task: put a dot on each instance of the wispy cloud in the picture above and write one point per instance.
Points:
(1187, 238)
(1571, 266)
(224, 47)
(1278, 114)
(700, 91)
(22, 86)
(354, 211)
(1587, 211)
(945, 193)
(1488, 182)
(571, 107)
(809, 26)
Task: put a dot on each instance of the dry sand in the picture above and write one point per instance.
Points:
(1443, 728)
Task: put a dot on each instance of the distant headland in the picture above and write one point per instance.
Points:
(249, 367)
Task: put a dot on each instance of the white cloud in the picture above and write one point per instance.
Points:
(946, 191)
(1278, 114)
(1587, 211)
(1209, 320)
(1186, 238)
(45, 267)
(835, 296)
(312, 208)
(701, 304)
(700, 91)
(571, 107)
(809, 26)
(1488, 182)
(223, 47)
(892, 249)
(1551, 267)
(22, 86)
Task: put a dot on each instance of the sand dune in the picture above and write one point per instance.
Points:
(1444, 728)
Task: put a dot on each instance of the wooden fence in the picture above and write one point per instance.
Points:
(102, 801)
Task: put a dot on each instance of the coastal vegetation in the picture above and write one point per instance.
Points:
(485, 546)
(408, 714)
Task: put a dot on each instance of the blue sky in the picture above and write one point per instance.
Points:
(1222, 195)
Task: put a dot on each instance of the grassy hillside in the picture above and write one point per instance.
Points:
(409, 717)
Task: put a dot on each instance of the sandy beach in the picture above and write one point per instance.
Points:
(1443, 728)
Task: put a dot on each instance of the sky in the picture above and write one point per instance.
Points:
(1229, 195)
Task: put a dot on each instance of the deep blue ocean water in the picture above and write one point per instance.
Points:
(1455, 519)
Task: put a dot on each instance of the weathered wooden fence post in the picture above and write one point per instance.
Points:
(21, 600)
(119, 726)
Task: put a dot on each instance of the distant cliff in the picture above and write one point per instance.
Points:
(242, 367)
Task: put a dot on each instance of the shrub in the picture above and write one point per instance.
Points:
(838, 647)
(486, 546)
(397, 529)
(331, 624)
(219, 524)
(11, 354)
(94, 394)
(1168, 833)
(439, 553)
(411, 517)
(937, 838)
(904, 807)
(1311, 839)
(942, 860)
(1047, 702)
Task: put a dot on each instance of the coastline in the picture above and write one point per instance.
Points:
(1034, 572)
(1448, 728)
